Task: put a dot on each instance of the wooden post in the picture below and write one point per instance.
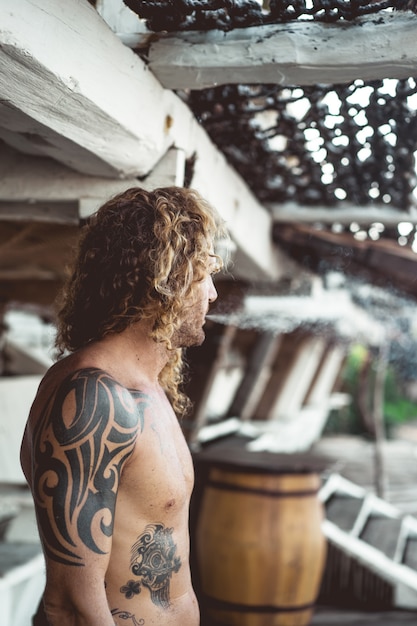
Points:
(378, 413)
(3, 329)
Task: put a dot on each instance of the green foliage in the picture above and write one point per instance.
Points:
(400, 411)
(398, 408)
(347, 419)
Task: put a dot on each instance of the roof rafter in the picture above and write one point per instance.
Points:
(377, 46)
(344, 213)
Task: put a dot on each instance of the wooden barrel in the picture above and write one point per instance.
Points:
(260, 548)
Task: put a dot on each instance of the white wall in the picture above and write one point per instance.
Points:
(16, 397)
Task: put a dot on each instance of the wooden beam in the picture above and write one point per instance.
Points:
(25, 274)
(30, 291)
(41, 189)
(65, 212)
(26, 178)
(343, 214)
(372, 47)
(110, 117)
(383, 262)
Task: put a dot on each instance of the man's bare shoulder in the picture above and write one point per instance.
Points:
(75, 401)
(85, 394)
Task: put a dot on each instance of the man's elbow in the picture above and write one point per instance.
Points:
(76, 607)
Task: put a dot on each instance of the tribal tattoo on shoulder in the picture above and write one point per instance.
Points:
(153, 561)
(86, 433)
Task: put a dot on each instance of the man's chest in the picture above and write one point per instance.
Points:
(160, 475)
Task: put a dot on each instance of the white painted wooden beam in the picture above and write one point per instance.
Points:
(296, 53)
(126, 24)
(170, 170)
(75, 93)
(290, 397)
(327, 375)
(34, 179)
(343, 213)
(41, 189)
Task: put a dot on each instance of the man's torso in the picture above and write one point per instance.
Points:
(148, 578)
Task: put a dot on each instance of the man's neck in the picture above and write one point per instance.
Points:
(133, 356)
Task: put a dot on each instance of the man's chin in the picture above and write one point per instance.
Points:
(201, 339)
(189, 341)
(196, 341)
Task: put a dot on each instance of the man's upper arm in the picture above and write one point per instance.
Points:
(81, 442)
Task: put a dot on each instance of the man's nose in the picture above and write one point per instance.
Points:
(212, 292)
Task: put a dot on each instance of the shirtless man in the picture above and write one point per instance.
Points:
(103, 452)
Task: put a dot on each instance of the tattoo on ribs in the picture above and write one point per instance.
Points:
(153, 560)
(128, 616)
(87, 431)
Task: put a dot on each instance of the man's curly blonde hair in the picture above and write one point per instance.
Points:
(138, 258)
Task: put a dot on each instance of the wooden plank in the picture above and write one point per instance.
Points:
(296, 53)
(41, 293)
(404, 578)
(26, 274)
(378, 397)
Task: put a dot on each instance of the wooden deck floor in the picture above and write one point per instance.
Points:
(353, 458)
(330, 616)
